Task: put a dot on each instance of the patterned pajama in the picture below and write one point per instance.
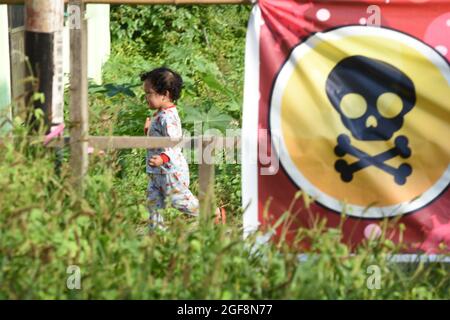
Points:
(168, 183)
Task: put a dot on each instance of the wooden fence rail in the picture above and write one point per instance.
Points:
(135, 142)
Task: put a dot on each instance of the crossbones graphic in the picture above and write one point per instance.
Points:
(347, 170)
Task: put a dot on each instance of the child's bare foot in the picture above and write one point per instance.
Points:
(220, 216)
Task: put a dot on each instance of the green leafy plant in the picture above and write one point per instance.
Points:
(45, 227)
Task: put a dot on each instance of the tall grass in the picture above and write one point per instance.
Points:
(45, 226)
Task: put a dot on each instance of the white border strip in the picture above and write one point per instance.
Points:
(398, 258)
(249, 139)
(392, 258)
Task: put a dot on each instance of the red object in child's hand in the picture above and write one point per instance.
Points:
(165, 158)
(157, 161)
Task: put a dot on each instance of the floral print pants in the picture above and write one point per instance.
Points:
(170, 189)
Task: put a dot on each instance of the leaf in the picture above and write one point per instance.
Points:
(112, 90)
(192, 114)
(38, 96)
(214, 118)
(215, 84)
(217, 119)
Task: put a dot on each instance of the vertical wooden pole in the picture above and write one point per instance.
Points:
(78, 93)
(206, 179)
(43, 47)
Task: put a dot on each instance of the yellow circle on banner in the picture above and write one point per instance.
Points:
(305, 125)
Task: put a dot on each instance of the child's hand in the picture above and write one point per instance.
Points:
(155, 161)
(147, 125)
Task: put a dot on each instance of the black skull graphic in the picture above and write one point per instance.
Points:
(371, 96)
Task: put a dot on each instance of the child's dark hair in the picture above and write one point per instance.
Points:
(163, 79)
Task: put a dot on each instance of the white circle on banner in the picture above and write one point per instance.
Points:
(323, 14)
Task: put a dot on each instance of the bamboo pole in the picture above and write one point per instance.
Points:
(173, 2)
(78, 103)
(43, 47)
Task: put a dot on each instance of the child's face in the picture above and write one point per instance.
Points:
(154, 99)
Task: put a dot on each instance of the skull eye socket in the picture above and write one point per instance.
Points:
(389, 105)
(353, 105)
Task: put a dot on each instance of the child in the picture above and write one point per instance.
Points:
(167, 168)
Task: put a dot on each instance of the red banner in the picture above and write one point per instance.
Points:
(349, 102)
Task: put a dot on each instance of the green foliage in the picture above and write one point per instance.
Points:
(205, 44)
(45, 226)
(212, 118)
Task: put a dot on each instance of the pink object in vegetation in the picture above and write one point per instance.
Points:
(438, 235)
(372, 231)
(55, 131)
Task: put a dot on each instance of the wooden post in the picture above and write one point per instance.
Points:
(78, 94)
(43, 47)
(206, 178)
(16, 17)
